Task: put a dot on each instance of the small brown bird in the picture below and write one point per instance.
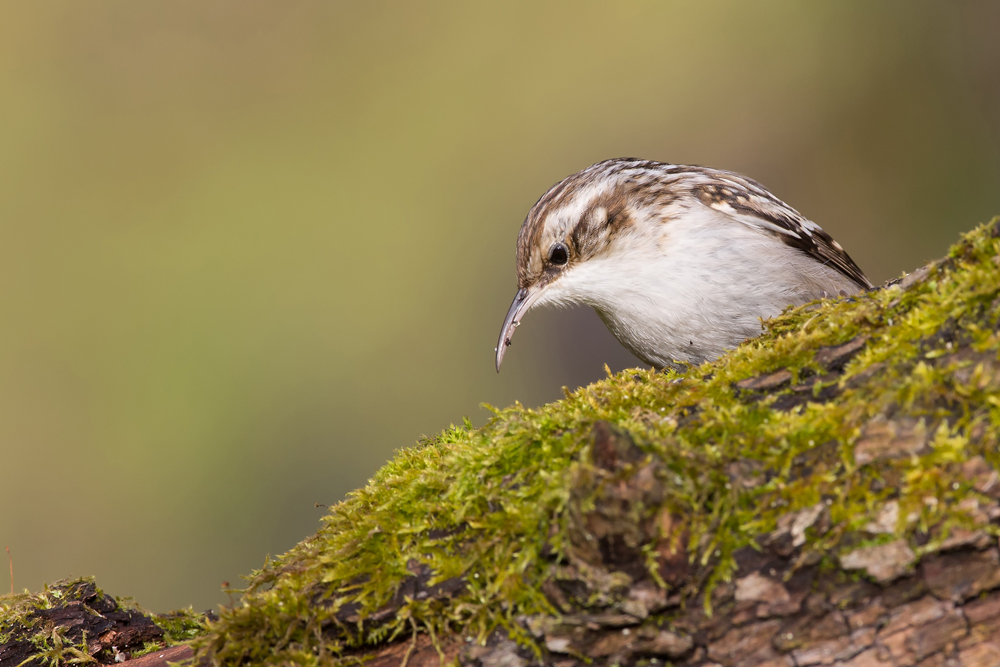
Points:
(681, 262)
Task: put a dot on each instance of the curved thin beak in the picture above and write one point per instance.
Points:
(522, 302)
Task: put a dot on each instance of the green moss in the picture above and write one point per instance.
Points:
(68, 623)
(180, 626)
(490, 506)
(19, 612)
(20, 620)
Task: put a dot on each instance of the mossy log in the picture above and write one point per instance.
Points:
(826, 494)
(74, 622)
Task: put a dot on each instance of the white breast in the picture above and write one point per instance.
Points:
(692, 287)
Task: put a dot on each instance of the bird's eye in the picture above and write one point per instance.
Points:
(558, 254)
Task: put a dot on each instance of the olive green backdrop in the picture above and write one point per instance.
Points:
(248, 249)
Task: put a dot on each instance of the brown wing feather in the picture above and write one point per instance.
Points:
(748, 201)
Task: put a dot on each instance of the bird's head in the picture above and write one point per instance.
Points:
(595, 214)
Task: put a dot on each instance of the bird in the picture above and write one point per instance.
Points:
(681, 262)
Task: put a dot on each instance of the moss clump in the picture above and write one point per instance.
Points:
(75, 622)
(181, 625)
(841, 409)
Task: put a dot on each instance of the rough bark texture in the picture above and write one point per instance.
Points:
(780, 610)
(87, 616)
(74, 622)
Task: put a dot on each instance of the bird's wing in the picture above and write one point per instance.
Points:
(748, 202)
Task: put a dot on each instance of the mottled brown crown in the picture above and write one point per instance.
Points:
(587, 210)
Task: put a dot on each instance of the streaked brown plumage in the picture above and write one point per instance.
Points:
(681, 262)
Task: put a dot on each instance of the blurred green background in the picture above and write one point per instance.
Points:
(251, 248)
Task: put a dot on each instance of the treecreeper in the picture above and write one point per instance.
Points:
(680, 262)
